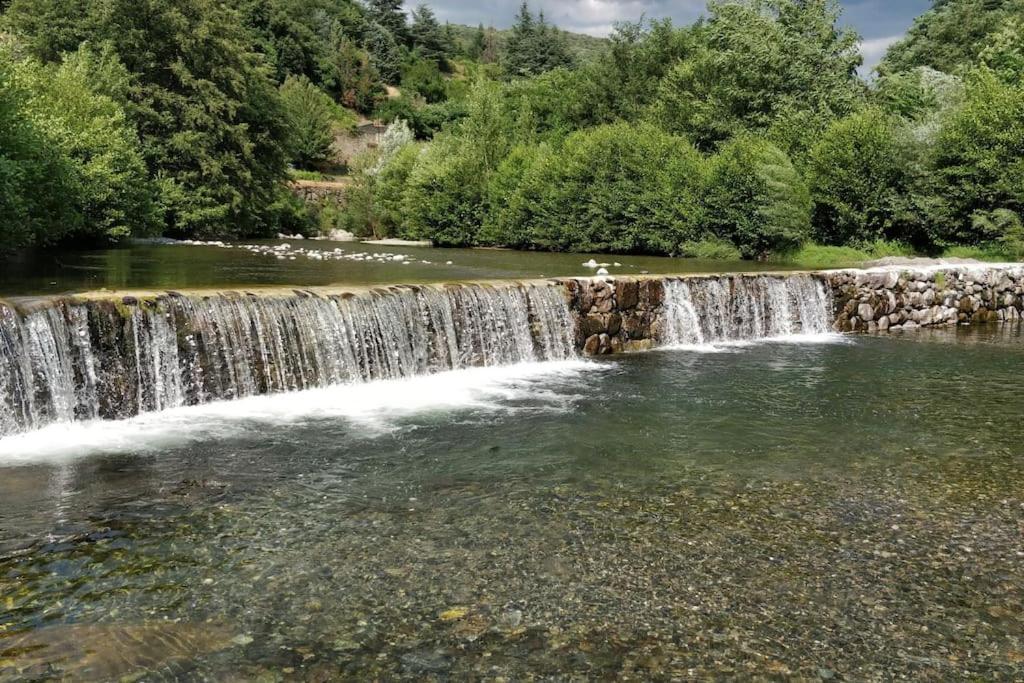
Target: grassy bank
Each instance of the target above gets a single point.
(819, 257)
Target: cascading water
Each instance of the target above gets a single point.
(718, 309)
(85, 360)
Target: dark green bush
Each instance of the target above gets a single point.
(619, 187)
(756, 199)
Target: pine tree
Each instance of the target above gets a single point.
(535, 47)
(427, 36)
(478, 44)
(385, 53)
(451, 43)
(310, 114)
(390, 15)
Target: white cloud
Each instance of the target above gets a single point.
(873, 50)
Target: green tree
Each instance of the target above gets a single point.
(48, 28)
(206, 109)
(390, 15)
(311, 116)
(622, 81)
(615, 188)
(979, 159)
(756, 199)
(36, 180)
(1003, 53)
(446, 195)
(385, 53)
(534, 46)
(295, 35)
(918, 93)
(779, 65)
(951, 35)
(478, 45)
(428, 38)
(373, 205)
(865, 182)
(423, 77)
(351, 78)
(75, 132)
(1008, 225)
(204, 106)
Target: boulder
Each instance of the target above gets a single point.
(627, 293)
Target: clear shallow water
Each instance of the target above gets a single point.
(149, 266)
(843, 506)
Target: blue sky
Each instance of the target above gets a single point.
(880, 22)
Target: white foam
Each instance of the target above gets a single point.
(373, 407)
(734, 346)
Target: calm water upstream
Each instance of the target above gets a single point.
(851, 508)
(151, 266)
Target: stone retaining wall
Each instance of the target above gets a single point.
(616, 316)
(884, 300)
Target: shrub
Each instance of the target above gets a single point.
(710, 248)
(612, 188)
(862, 177)
(444, 198)
(373, 203)
(425, 120)
(446, 193)
(979, 159)
(99, 187)
(391, 182)
(423, 77)
(755, 198)
(502, 224)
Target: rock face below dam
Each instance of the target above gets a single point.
(105, 355)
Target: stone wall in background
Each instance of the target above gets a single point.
(889, 300)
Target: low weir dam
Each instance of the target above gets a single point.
(105, 356)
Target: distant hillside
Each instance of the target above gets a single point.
(584, 47)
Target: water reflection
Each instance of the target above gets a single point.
(160, 267)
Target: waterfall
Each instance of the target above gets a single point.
(704, 310)
(74, 360)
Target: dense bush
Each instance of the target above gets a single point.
(755, 199)
(979, 159)
(35, 179)
(446, 195)
(444, 199)
(423, 77)
(78, 170)
(425, 120)
(864, 177)
(506, 198)
(618, 188)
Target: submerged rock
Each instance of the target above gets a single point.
(101, 652)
